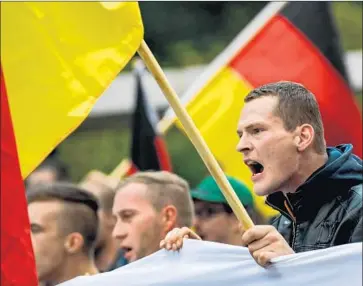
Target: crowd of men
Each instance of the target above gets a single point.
(104, 223)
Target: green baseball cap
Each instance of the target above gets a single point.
(209, 191)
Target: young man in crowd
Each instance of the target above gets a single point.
(108, 255)
(214, 219)
(147, 206)
(317, 190)
(64, 225)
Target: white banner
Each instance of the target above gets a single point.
(207, 263)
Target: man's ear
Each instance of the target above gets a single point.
(304, 137)
(169, 218)
(74, 242)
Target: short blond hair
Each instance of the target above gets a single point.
(165, 188)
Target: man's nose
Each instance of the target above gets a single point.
(243, 146)
(32, 239)
(196, 222)
(119, 231)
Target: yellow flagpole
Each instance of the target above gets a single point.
(194, 135)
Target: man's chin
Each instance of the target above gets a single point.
(132, 259)
(261, 190)
(136, 257)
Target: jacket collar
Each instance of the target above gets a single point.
(321, 187)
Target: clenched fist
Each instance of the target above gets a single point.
(264, 243)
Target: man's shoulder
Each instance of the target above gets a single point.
(357, 189)
(354, 198)
(351, 226)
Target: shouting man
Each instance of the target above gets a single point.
(317, 190)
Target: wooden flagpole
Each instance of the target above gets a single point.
(194, 135)
(246, 35)
(240, 41)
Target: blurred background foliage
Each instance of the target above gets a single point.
(182, 34)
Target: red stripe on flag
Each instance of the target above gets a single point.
(282, 52)
(162, 154)
(17, 259)
(132, 170)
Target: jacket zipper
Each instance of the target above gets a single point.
(287, 206)
(293, 236)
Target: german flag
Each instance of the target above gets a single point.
(57, 58)
(148, 148)
(296, 42)
(301, 44)
(15, 241)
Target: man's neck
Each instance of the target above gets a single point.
(107, 254)
(76, 266)
(308, 165)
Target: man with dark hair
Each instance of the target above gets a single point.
(317, 190)
(49, 171)
(64, 226)
(108, 255)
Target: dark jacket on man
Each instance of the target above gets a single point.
(326, 210)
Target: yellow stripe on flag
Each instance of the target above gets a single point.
(57, 59)
(215, 111)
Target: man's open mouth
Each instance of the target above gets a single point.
(255, 167)
(126, 249)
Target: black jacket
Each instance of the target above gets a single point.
(327, 209)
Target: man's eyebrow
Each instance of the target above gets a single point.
(120, 212)
(249, 126)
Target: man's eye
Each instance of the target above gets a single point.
(127, 216)
(35, 228)
(256, 130)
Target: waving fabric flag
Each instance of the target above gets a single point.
(16, 248)
(57, 58)
(297, 42)
(207, 263)
(148, 148)
(55, 69)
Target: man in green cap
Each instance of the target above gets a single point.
(215, 220)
